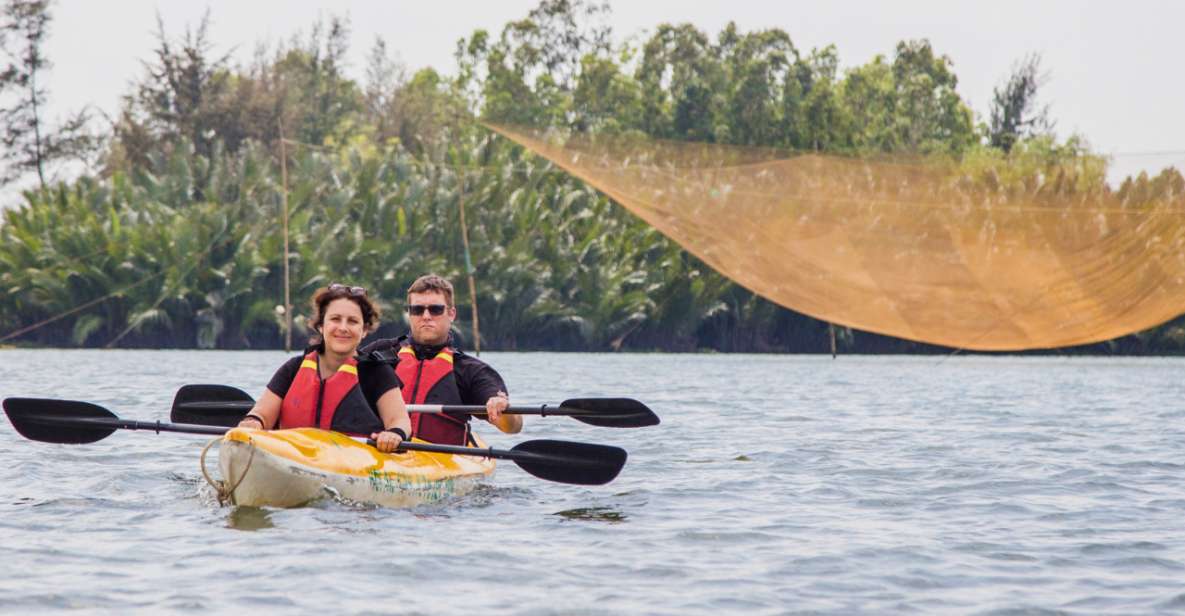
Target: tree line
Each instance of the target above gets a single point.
(174, 238)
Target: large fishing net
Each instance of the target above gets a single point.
(927, 251)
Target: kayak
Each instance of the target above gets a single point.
(289, 468)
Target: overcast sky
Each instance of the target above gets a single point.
(1115, 67)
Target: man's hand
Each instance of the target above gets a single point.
(495, 405)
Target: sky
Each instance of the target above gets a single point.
(1115, 74)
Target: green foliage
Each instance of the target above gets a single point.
(179, 242)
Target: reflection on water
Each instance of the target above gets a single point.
(249, 518)
(594, 514)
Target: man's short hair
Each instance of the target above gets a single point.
(431, 282)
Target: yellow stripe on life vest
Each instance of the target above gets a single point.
(348, 368)
(445, 355)
(308, 363)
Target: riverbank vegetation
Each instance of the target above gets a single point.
(175, 239)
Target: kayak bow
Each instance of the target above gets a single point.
(288, 468)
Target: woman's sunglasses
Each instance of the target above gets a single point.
(351, 291)
(417, 310)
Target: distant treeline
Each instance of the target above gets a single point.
(175, 238)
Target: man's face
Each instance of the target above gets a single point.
(426, 327)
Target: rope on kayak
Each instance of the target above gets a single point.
(219, 485)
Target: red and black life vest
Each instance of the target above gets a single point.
(432, 381)
(337, 403)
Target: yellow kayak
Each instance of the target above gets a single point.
(288, 468)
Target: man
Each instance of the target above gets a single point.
(433, 371)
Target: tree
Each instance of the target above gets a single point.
(821, 123)
(559, 34)
(682, 82)
(606, 99)
(178, 98)
(30, 144)
(760, 66)
(414, 111)
(868, 94)
(1014, 111)
(384, 75)
(929, 115)
(529, 74)
(325, 98)
(190, 98)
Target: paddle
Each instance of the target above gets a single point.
(74, 422)
(223, 405)
(210, 405)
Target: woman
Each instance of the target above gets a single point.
(328, 387)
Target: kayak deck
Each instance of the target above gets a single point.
(289, 468)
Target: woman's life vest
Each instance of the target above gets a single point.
(336, 403)
(432, 381)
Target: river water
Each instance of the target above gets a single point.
(775, 485)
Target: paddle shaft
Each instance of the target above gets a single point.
(542, 410)
(127, 424)
(480, 409)
(458, 450)
(158, 427)
(222, 405)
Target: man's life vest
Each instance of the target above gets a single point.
(337, 403)
(432, 381)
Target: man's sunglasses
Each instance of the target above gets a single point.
(417, 310)
(351, 291)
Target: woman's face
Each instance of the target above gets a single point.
(343, 326)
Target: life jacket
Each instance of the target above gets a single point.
(337, 403)
(432, 381)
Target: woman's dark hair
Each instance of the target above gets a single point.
(326, 295)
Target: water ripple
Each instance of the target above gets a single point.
(775, 485)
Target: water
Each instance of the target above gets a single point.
(775, 485)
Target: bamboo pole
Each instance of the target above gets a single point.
(469, 266)
(284, 202)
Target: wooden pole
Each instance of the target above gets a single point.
(284, 202)
(831, 331)
(469, 266)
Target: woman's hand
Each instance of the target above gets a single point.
(265, 414)
(251, 421)
(386, 441)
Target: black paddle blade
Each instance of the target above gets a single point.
(210, 405)
(49, 421)
(610, 412)
(567, 462)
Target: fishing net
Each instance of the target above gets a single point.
(934, 252)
